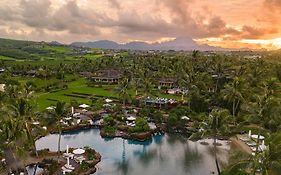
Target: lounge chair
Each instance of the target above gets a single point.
(65, 170)
(70, 167)
(79, 159)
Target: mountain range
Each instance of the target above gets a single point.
(176, 44)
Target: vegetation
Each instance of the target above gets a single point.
(226, 94)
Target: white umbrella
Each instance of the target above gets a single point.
(256, 137)
(50, 108)
(131, 118)
(67, 118)
(250, 133)
(108, 100)
(78, 151)
(36, 123)
(84, 106)
(67, 149)
(185, 118)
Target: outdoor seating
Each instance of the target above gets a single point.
(70, 167)
(70, 155)
(79, 159)
(65, 170)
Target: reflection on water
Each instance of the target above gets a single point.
(161, 155)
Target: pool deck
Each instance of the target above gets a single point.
(71, 162)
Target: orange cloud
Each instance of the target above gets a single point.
(147, 20)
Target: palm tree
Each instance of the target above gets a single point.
(216, 125)
(267, 162)
(218, 69)
(124, 90)
(233, 93)
(147, 87)
(195, 54)
(22, 111)
(12, 135)
(59, 113)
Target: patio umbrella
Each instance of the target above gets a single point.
(67, 118)
(36, 123)
(256, 137)
(185, 118)
(84, 106)
(131, 118)
(108, 100)
(78, 151)
(50, 108)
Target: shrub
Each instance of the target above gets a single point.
(109, 121)
(84, 166)
(91, 157)
(109, 129)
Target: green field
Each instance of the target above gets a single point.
(59, 49)
(79, 86)
(92, 56)
(106, 91)
(4, 58)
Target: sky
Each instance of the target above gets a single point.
(224, 23)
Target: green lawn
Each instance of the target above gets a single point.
(92, 56)
(79, 86)
(4, 58)
(45, 99)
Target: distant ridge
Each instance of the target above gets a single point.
(176, 44)
(56, 43)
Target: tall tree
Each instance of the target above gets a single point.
(266, 162)
(124, 94)
(216, 125)
(59, 113)
(233, 93)
(22, 110)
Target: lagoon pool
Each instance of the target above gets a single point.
(162, 155)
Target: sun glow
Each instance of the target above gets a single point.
(269, 44)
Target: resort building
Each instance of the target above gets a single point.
(109, 76)
(86, 74)
(166, 83)
(176, 91)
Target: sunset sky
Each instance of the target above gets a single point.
(224, 23)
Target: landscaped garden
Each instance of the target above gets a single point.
(138, 97)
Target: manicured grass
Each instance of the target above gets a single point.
(38, 81)
(4, 58)
(92, 56)
(79, 86)
(45, 99)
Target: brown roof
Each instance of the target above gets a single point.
(108, 73)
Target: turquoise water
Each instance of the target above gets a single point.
(162, 155)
